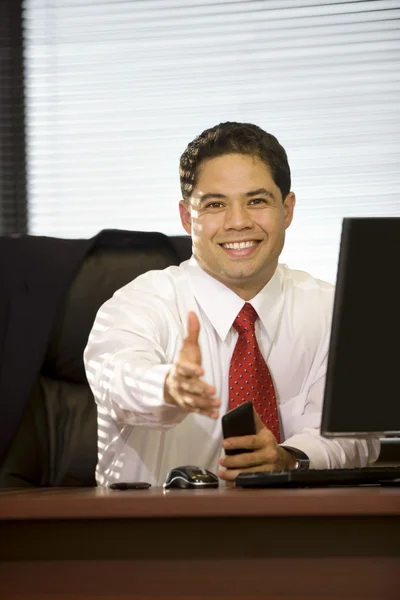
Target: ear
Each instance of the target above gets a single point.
(288, 208)
(186, 218)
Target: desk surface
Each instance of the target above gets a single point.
(66, 543)
(99, 503)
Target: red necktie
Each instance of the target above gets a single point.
(249, 376)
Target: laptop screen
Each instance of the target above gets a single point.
(362, 389)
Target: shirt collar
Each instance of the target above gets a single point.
(221, 305)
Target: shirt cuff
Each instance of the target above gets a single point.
(335, 453)
(313, 446)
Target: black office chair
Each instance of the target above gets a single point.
(56, 443)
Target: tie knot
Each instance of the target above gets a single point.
(245, 320)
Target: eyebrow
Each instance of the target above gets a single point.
(251, 194)
(260, 192)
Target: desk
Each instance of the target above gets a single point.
(323, 544)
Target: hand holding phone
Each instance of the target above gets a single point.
(237, 422)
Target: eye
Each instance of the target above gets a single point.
(214, 205)
(258, 201)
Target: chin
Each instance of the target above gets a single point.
(242, 276)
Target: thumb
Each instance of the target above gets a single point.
(257, 421)
(191, 346)
(193, 328)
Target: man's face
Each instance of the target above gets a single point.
(237, 221)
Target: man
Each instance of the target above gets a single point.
(167, 354)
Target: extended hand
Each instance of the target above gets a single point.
(264, 453)
(183, 385)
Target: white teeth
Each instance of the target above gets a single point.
(239, 245)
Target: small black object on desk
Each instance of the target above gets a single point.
(126, 485)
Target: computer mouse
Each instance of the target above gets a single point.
(190, 477)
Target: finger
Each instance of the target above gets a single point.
(231, 474)
(188, 369)
(262, 439)
(197, 387)
(227, 474)
(193, 328)
(185, 402)
(243, 442)
(190, 350)
(200, 403)
(250, 459)
(211, 414)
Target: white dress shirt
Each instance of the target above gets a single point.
(137, 335)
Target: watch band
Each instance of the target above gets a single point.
(302, 460)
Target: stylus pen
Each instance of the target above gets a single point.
(125, 485)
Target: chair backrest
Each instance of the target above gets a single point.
(56, 443)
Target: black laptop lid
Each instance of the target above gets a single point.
(362, 390)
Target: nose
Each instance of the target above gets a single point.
(237, 217)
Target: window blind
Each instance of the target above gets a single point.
(12, 132)
(116, 90)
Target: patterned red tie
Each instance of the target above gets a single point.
(249, 376)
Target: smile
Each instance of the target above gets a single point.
(241, 250)
(239, 245)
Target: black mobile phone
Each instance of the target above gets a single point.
(238, 421)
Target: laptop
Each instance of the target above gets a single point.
(362, 388)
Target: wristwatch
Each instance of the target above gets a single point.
(302, 460)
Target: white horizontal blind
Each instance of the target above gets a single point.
(116, 90)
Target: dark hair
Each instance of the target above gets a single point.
(234, 138)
